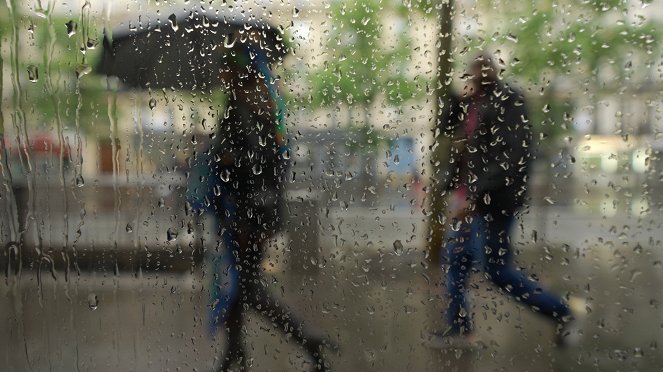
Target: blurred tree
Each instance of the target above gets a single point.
(441, 146)
(575, 41)
(47, 60)
(51, 56)
(366, 62)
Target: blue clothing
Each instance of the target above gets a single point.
(225, 281)
(485, 241)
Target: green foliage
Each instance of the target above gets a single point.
(54, 72)
(363, 64)
(574, 37)
(573, 40)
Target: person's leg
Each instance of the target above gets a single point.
(234, 352)
(232, 305)
(494, 244)
(460, 263)
(278, 314)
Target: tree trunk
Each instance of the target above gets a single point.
(440, 153)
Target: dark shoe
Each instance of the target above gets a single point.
(569, 331)
(315, 347)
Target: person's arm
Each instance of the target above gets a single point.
(447, 129)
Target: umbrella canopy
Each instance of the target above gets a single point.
(183, 51)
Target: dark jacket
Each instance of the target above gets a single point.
(248, 167)
(494, 162)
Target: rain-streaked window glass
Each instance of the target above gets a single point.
(331, 185)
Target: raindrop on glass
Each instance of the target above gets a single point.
(72, 27)
(171, 235)
(173, 22)
(92, 301)
(33, 73)
(398, 247)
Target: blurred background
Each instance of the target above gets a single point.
(105, 268)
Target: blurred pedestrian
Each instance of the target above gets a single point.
(489, 168)
(249, 157)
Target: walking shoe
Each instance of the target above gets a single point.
(569, 331)
(315, 346)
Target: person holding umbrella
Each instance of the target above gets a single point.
(251, 161)
(200, 50)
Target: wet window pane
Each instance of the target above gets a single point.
(330, 185)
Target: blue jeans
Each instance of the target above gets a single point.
(485, 241)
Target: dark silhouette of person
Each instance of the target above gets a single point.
(249, 161)
(488, 172)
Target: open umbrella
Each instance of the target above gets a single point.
(183, 51)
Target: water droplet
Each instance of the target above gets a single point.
(257, 169)
(80, 182)
(397, 159)
(635, 274)
(229, 41)
(72, 27)
(398, 247)
(92, 43)
(486, 198)
(33, 73)
(129, 228)
(225, 175)
(637, 249)
(171, 235)
(173, 22)
(153, 103)
(92, 301)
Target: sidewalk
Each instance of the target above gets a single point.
(377, 309)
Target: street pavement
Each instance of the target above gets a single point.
(377, 303)
(367, 283)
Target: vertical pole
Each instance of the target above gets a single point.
(440, 148)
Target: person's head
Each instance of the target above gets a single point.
(242, 65)
(483, 71)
